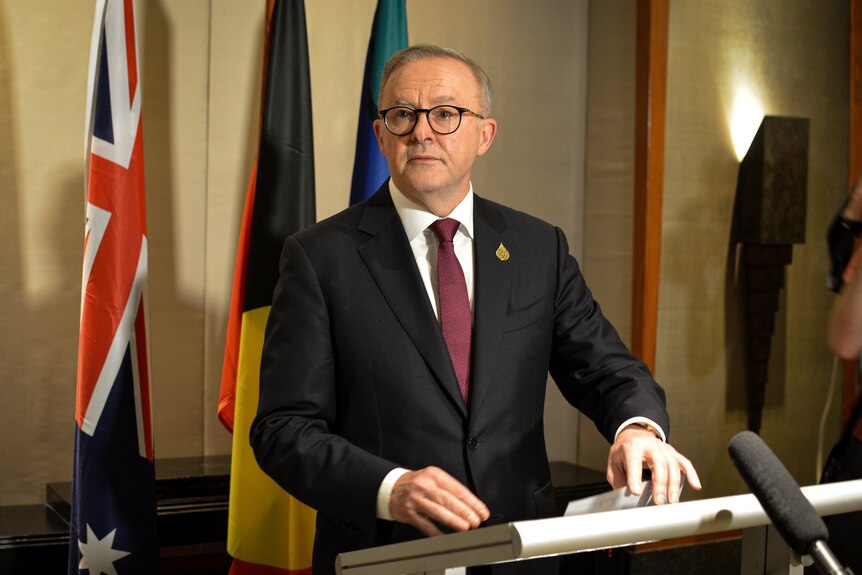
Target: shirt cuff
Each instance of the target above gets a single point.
(645, 421)
(384, 494)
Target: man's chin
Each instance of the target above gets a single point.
(415, 183)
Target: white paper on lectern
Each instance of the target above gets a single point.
(621, 498)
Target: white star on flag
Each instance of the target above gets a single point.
(98, 555)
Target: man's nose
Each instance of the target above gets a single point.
(422, 130)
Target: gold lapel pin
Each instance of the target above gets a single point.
(502, 253)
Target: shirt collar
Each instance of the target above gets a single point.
(416, 218)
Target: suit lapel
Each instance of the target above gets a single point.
(491, 294)
(390, 260)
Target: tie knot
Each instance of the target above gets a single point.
(445, 229)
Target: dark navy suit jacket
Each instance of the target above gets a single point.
(356, 379)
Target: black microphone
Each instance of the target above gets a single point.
(778, 493)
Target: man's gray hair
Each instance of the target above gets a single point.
(422, 51)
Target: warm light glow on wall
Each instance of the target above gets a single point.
(744, 121)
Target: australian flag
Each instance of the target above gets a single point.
(113, 520)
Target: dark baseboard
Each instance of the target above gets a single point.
(192, 502)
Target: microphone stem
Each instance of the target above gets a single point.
(825, 561)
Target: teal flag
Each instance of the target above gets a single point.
(388, 35)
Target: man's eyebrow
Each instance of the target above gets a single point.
(443, 99)
(437, 100)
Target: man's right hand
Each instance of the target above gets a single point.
(430, 498)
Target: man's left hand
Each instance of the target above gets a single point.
(636, 448)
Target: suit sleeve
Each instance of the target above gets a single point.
(292, 435)
(590, 363)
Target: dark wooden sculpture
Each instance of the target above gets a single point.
(771, 206)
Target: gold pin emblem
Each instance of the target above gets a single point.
(502, 253)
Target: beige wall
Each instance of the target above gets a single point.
(201, 75)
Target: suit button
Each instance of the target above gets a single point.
(472, 444)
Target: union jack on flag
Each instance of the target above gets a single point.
(113, 519)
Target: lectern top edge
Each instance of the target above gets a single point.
(500, 537)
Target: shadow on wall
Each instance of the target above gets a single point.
(10, 234)
(39, 341)
(176, 322)
(11, 284)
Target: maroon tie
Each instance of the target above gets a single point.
(455, 315)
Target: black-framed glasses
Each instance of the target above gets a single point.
(401, 120)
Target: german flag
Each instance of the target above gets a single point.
(269, 532)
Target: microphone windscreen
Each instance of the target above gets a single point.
(792, 514)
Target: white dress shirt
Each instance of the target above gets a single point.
(416, 219)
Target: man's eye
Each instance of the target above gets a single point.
(403, 114)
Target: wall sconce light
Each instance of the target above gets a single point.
(771, 201)
(746, 116)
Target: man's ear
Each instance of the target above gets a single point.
(378, 131)
(486, 135)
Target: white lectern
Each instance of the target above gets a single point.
(522, 540)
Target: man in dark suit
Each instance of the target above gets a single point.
(404, 369)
